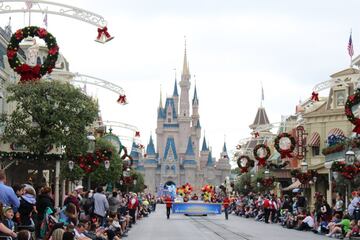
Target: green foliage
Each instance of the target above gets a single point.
(243, 185)
(101, 176)
(139, 186)
(235, 171)
(49, 113)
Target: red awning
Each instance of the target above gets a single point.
(336, 132)
(314, 140)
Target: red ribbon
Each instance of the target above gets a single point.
(286, 153)
(102, 31)
(357, 126)
(262, 162)
(122, 99)
(256, 134)
(137, 134)
(314, 96)
(29, 73)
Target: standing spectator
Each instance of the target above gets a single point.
(301, 202)
(101, 205)
(354, 204)
(43, 202)
(73, 198)
(114, 203)
(132, 206)
(27, 207)
(19, 190)
(226, 203)
(267, 210)
(7, 194)
(168, 202)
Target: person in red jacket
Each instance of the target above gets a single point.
(132, 206)
(168, 202)
(267, 209)
(226, 204)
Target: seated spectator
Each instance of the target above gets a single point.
(57, 234)
(24, 235)
(307, 223)
(354, 230)
(343, 227)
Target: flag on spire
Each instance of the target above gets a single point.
(262, 93)
(28, 4)
(350, 46)
(45, 20)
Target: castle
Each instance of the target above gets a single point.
(178, 158)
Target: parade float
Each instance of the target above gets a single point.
(189, 203)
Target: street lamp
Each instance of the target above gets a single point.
(91, 144)
(267, 174)
(304, 167)
(350, 156)
(107, 164)
(135, 181)
(71, 165)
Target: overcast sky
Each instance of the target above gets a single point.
(233, 46)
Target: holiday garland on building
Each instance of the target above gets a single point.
(285, 153)
(261, 160)
(91, 161)
(29, 73)
(304, 177)
(352, 101)
(348, 171)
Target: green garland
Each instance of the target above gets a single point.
(28, 156)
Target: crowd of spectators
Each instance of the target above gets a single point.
(293, 212)
(85, 215)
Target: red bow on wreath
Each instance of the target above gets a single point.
(286, 153)
(261, 162)
(314, 96)
(357, 126)
(28, 73)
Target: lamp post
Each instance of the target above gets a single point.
(91, 148)
(107, 165)
(350, 156)
(71, 165)
(267, 174)
(304, 166)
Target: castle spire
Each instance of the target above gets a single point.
(186, 71)
(189, 149)
(195, 100)
(175, 93)
(160, 104)
(150, 149)
(204, 146)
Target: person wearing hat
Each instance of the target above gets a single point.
(80, 191)
(7, 226)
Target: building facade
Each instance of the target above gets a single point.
(178, 157)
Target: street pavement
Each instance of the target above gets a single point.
(180, 227)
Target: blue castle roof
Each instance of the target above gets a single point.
(195, 100)
(204, 146)
(198, 124)
(224, 148)
(134, 151)
(189, 149)
(175, 93)
(161, 113)
(170, 145)
(170, 102)
(210, 160)
(150, 149)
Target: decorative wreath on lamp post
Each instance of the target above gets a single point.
(285, 152)
(244, 162)
(261, 160)
(91, 161)
(350, 103)
(29, 73)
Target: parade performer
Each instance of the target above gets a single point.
(226, 203)
(168, 202)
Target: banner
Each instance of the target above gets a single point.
(196, 208)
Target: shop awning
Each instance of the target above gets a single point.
(336, 132)
(314, 140)
(292, 186)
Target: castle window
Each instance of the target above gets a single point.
(169, 120)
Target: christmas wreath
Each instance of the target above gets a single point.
(91, 161)
(267, 182)
(244, 162)
(352, 101)
(261, 160)
(29, 73)
(285, 152)
(304, 177)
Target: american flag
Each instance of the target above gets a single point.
(45, 20)
(350, 47)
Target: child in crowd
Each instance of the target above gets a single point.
(8, 218)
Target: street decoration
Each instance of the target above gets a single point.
(285, 152)
(314, 96)
(184, 190)
(91, 161)
(350, 103)
(261, 158)
(306, 177)
(267, 182)
(244, 163)
(103, 35)
(32, 73)
(208, 192)
(348, 171)
(122, 99)
(300, 143)
(28, 156)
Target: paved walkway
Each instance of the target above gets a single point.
(180, 227)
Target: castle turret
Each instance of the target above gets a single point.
(176, 96)
(189, 162)
(135, 154)
(204, 154)
(150, 165)
(195, 126)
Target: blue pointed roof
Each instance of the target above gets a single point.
(175, 93)
(161, 113)
(204, 146)
(134, 151)
(170, 102)
(170, 144)
(224, 148)
(195, 100)
(189, 149)
(150, 149)
(198, 124)
(210, 160)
